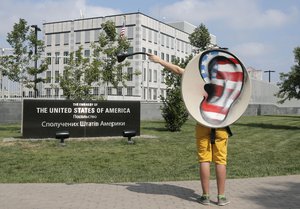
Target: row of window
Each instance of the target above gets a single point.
(89, 36)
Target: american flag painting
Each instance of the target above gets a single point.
(223, 75)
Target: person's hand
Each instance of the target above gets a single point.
(154, 58)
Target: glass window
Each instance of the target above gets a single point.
(49, 40)
(129, 91)
(119, 91)
(49, 58)
(87, 37)
(155, 76)
(48, 76)
(56, 58)
(66, 38)
(130, 32)
(56, 76)
(66, 57)
(130, 73)
(78, 37)
(57, 39)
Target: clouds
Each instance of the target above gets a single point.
(236, 14)
(37, 12)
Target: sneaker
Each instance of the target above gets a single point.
(204, 199)
(222, 200)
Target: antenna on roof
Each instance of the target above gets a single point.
(81, 14)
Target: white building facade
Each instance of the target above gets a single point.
(145, 34)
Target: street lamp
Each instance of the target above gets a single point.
(36, 29)
(269, 71)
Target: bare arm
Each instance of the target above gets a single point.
(171, 67)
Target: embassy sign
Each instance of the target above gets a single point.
(43, 118)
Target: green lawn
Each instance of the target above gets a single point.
(261, 146)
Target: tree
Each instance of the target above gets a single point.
(102, 68)
(78, 76)
(173, 109)
(200, 38)
(289, 85)
(110, 45)
(19, 66)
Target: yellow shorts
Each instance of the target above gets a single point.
(208, 152)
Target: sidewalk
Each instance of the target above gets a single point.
(269, 192)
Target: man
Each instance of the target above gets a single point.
(207, 152)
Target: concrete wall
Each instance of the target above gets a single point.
(10, 111)
(263, 102)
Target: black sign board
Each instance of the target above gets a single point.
(43, 118)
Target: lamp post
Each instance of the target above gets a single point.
(36, 29)
(269, 71)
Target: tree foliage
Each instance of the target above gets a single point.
(173, 110)
(101, 68)
(289, 85)
(19, 66)
(200, 38)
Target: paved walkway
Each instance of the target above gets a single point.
(270, 192)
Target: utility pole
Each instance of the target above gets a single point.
(269, 71)
(36, 29)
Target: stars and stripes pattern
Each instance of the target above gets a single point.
(225, 75)
(122, 32)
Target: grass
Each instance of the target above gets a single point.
(261, 146)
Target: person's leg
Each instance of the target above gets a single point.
(204, 177)
(221, 178)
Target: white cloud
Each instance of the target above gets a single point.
(37, 12)
(239, 14)
(252, 49)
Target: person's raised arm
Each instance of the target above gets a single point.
(171, 67)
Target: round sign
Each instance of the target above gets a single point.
(216, 88)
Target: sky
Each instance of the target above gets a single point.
(262, 33)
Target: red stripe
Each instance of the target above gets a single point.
(226, 61)
(231, 76)
(219, 90)
(213, 108)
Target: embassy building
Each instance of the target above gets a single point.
(144, 33)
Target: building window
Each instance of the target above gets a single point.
(129, 91)
(155, 37)
(56, 76)
(129, 51)
(78, 37)
(162, 55)
(48, 92)
(155, 76)
(49, 58)
(57, 39)
(87, 37)
(56, 92)
(48, 76)
(130, 74)
(162, 39)
(66, 39)
(162, 77)
(144, 56)
(96, 91)
(150, 75)
(109, 90)
(145, 74)
(87, 53)
(56, 58)
(130, 32)
(154, 94)
(119, 91)
(150, 36)
(144, 34)
(49, 40)
(96, 35)
(66, 57)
